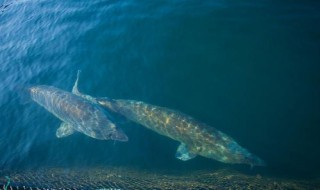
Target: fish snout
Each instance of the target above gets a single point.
(253, 160)
(33, 90)
(119, 135)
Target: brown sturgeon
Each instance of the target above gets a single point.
(196, 138)
(77, 114)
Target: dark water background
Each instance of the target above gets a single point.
(249, 68)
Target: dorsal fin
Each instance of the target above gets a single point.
(75, 90)
(75, 86)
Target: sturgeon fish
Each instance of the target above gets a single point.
(196, 138)
(76, 113)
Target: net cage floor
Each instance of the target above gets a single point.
(128, 178)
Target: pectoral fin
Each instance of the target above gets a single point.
(64, 130)
(183, 153)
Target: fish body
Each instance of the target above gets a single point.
(196, 138)
(77, 114)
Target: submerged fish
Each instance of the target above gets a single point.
(196, 137)
(77, 114)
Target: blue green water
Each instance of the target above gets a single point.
(250, 69)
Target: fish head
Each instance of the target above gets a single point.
(107, 130)
(37, 93)
(33, 90)
(118, 135)
(240, 155)
(225, 149)
(254, 160)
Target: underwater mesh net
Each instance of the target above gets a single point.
(124, 178)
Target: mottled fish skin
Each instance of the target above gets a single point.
(200, 138)
(78, 112)
(196, 137)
